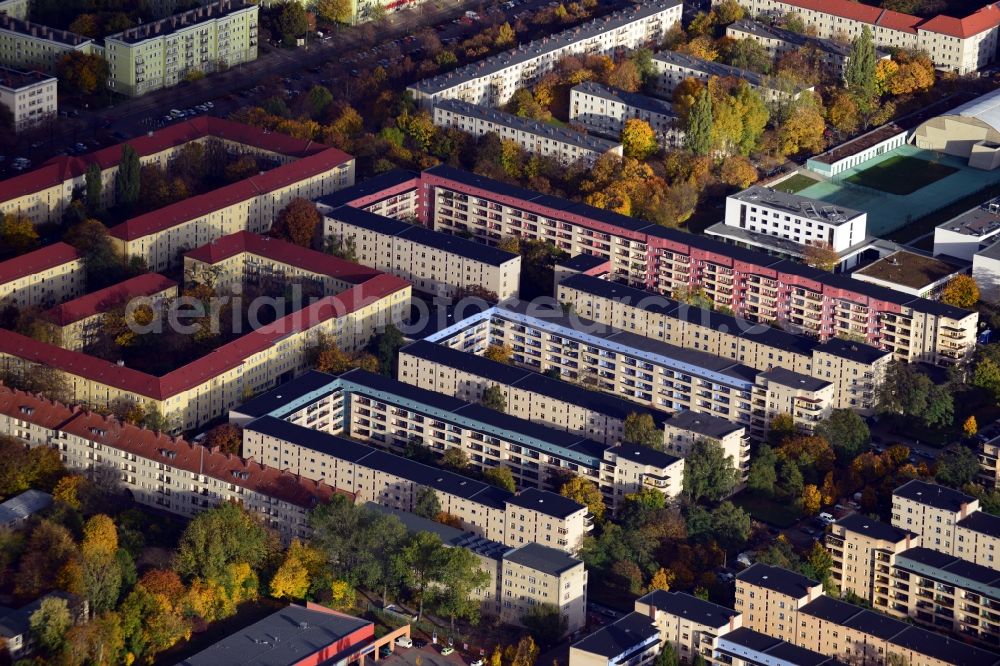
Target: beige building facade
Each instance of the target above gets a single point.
(26, 45)
(42, 278)
(435, 263)
(31, 97)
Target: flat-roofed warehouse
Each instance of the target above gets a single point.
(971, 131)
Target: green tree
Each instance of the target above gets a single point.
(545, 622)
(909, 392)
(667, 655)
(218, 537)
(459, 576)
(49, 624)
(708, 472)
(94, 187)
(501, 477)
(860, 70)
(423, 559)
(640, 428)
(494, 398)
(387, 350)
(698, 138)
(763, 473)
(987, 376)
(818, 565)
(455, 458)
(638, 139)
(127, 186)
(335, 11)
(790, 480)
(846, 431)
(957, 466)
(427, 504)
(291, 22)
(730, 525)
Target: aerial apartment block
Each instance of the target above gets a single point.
(78, 321)
(531, 395)
(491, 82)
(604, 110)
(27, 45)
(286, 427)
(163, 472)
(537, 137)
(198, 41)
(948, 521)
(890, 569)
(782, 603)
(42, 277)
(754, 285)
(646, 371)
(854, 368)
(520, 578)
(206, 387)
(672, 67)
(31, 97)
(785, 224)
(833, 55)
(305, 168)
(393, 415)
(960, 45)
(433, 262)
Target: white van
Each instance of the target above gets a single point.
(404, 642)
(827, 518)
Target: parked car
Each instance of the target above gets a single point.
(446, 650)
(404, 642)
(827, 518)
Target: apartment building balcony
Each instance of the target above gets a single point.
(656, 481)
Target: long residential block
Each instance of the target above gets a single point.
(791, 606)
(890, 569)
(753, 285)
(295, 440)
(164, 472)
(672, 68)
(597, 415)
(43, 277)
(302, 168)
(605, 110)
(534, 136)
(393, 415)
(433, 262)
(961, 45)
(648, 372)
(199, 41)
(855, 369)
(27, 45)
(207, 387)
(492, 81)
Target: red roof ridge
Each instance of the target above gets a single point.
(982, 19)
(106, 299)
(37, 261)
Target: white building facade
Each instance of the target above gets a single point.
(30, 96)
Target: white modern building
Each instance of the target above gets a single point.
(786, 223)
(673, 67)
(30, 96)
(534, 136)
(970, 131)
(859, 150)
(833, 56)
(604, 110)
(494, 80)
(963, 236)
(961, 45)
(986, 273)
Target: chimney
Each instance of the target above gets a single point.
(963, 512)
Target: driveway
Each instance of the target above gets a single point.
(428, 656)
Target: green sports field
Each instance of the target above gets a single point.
(901, 174)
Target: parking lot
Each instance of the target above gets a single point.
(429, 655)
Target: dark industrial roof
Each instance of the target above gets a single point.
(369, 186)
(542, 558)
(778, 579)
(775, 649)
(794, 379)
(545, 502)
(278, 398)
(982, 522)
(876, 529)
(631, 633)
(289, 636)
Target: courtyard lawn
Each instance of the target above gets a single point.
(795, 183)
(901, 174)
(767, 510)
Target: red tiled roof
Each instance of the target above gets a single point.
(211, 365)
(109, 297)
(34, 408)
(60, 169)
(283, 251)
(37, 261)
(195, 207)
(978, 21)
(190, 457)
